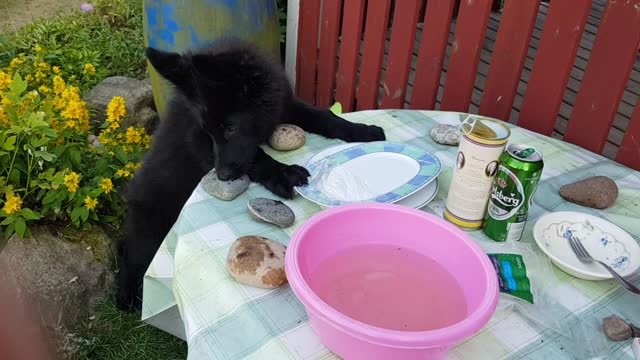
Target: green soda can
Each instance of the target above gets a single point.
(512, 192)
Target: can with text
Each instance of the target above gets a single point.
(512, 192)
(481, 144)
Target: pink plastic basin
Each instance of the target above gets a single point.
(343, 227)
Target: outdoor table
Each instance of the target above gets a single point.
(222, 319)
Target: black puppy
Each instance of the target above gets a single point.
(227, 101)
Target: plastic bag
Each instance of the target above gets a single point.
(546, 312)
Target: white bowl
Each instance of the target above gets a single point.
(602, 239)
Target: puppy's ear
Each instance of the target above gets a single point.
(172, 66)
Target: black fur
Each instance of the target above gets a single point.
(227, 101)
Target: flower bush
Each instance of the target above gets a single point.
(52, 165)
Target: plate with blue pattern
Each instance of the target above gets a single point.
(381, 172)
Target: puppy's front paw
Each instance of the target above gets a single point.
(289, 176)
(366, 133)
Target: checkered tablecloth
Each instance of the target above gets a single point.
(226, 320)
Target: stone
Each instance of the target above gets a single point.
(137, 94)
(445, 134)
(62, 274)
(599, 192)
(224, 190)
(271, 211)
(257, 261)
(287, 137)
(617, 329)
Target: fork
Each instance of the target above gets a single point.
(584, 256)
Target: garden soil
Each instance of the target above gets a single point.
(17, 13)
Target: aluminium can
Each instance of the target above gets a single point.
(512, 193)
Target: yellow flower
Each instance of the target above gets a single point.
(58, 84)
(111, 153)
(123, 173)
(29, 77)
(90, 202)
(56, 70)
(113, 126)
(12, 205)
(5, 80)
(133, 136)
(71, 181)
(39, 49)
(16, 62)
(89, 69)
(40, 75)
(106, 185)
(6, 102)
(116, 109)
(44, 90)
(69, 124)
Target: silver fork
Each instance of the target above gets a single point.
(584, 256)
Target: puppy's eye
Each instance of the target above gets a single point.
(230, 130)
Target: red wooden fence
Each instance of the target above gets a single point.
(361, 83)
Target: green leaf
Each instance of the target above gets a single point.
(49, 132)
(49, 198)
(10, 230)
(46, 156)
(18, 86)
(84, 213)
(14, 177)
(75, 155)
(8, 221)
(9, 143)
(30, 214)
(21, 227)
(75, 214)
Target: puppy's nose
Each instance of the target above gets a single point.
(225, 174)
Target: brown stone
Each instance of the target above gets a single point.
(616, 329)
(599, 192)
(257, 261)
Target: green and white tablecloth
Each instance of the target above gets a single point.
(223, 319)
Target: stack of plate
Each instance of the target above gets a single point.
(381, 172)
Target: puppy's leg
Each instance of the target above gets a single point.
(275, 176)
(324, 122)
(144, 231)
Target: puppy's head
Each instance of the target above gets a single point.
(239, 96)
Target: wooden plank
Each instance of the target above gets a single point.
(403, 35)
(629, 153)
(430, 57)
(349, 53)
(291, 56)
(507, 61)
(554, 60)
(307, 50)
(331, 10)
(375, 34)
(465, 54)
(612, 58)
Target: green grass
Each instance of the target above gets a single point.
(114, 335)
(110, 37)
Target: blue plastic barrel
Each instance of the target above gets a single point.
(179, 25)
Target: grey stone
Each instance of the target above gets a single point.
(257, 261)
(224, 190)
(62, 278)
(287, 137)
(137, 94)
(271, 211)
(598, 192)
(445, 134)
(616, 329)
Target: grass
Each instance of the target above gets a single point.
(110, 37)
(114, 335)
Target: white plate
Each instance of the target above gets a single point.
(602, 239)
(417, 200)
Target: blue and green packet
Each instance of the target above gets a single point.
(512, 275)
